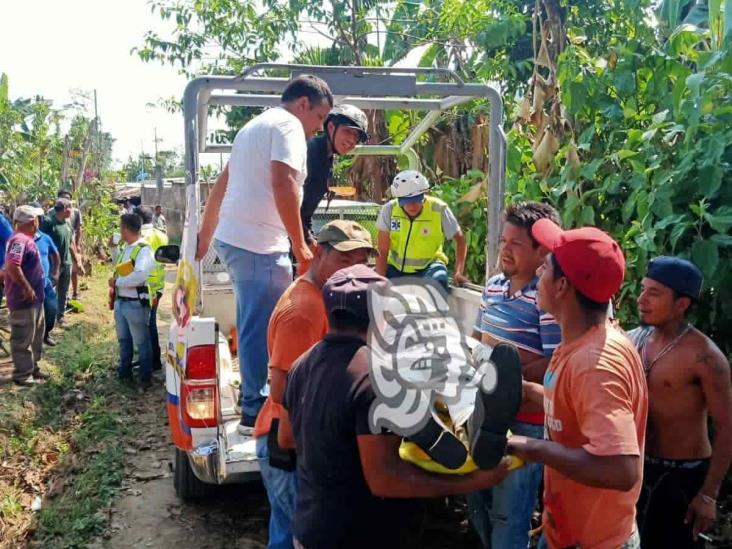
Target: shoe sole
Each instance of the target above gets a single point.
(440, 444)
(495, 411)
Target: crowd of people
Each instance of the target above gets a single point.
(41, 262)
(613, 424)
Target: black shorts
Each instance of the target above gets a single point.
(669, 485)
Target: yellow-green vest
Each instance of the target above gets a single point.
(143, 292)
(155, 238)
(415, 243)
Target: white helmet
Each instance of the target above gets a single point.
(409, 183)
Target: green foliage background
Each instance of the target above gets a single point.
(643, 87)
(33, 150)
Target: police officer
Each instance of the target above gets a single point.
(345, 127)
(412, 228)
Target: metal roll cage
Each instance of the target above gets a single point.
(365, 87)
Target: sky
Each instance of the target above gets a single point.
(50, 47)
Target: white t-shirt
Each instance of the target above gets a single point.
(248, 218)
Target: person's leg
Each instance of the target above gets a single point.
(393, 272)
(39, 329)
(479, 511)
(21, 340)
(259, 281)
(50, 308)
(281, 489)
(75, 281)
(124, 337)
(437, 271)
(138, 320)
(154, 337)
(64, 279)
(667, 491)
(514, 499)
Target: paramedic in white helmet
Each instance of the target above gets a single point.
(412, 229)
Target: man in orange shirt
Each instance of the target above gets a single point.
(298, 322)
(595, 398)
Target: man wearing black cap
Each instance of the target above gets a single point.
(344, 471)
(688, 380)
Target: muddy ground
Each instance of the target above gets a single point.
(149, 514)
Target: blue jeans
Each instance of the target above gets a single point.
(131, 321)
(436, 271)
(259, 281)
(502, 515)
(50, 307)
(632, 543)
(281, 489)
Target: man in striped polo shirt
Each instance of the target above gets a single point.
(509, 313)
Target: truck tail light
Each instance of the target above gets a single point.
(201, 362)
(199, 391)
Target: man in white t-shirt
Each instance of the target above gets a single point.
(252, 211)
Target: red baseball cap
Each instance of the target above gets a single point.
(591, 260)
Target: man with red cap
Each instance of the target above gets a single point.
(595, 398)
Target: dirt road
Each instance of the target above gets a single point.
(148, 513)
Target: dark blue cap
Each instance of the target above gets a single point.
(678, 274)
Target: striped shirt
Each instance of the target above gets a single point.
(516, 318)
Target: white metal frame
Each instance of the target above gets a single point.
(365, 87)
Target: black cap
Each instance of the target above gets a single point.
(680, 275)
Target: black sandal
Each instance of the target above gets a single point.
(495, 411)
(440, 444)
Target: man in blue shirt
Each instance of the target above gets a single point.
(509, 313)
(51, 262)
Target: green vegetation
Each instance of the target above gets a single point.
(37, 159)
(618, 113)
(61, 440)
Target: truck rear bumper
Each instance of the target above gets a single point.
(237, 463)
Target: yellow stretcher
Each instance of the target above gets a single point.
(412, 453)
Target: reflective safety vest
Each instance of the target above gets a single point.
(415, 243)
(143, 292)
(155, 238)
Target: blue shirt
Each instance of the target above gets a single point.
(45, 247)
(516, 318)
(6, 231)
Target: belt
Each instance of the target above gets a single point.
(123, 298)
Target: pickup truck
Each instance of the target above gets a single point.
(201, 373)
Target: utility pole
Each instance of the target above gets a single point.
(158, 169)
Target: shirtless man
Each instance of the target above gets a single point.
(688, 379)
